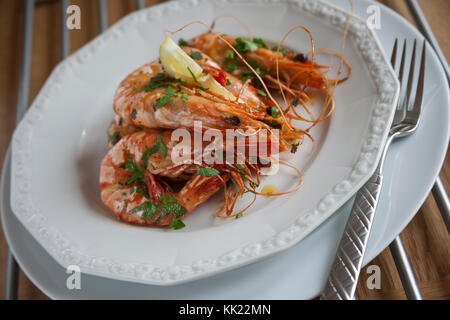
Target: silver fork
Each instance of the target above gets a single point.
(343, 278)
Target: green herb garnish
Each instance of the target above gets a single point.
(253, 63)
(282, 51)
(142, 191)
(184, 97)
(274, 112)
(159, 146)
(196, 55)
(149, 209)
(133, 114)
(182, 42)
(176, 224)
(165, 99)
(262, 93)
(230, 65)
(229, 54)
(274, 124)
(192, 74)
(169, 205)
(114, 138)
(248, 74)
(244, 45)
(259, 42)
(207, 172)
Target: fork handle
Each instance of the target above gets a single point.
(344, 274)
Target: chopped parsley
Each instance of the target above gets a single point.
(262, 93)
(253, 63)
(230, 183)
(176, 224)
(294, 102)
(184, 97)
(283, 51)
(170, 205)
(160, 80)
(229, 54)
(274, 111)
(137, 172)
(192, 74)
(196, 55)
(239, 216)
(228, 82)
(157, 81)
(182, 42)
(254, 186)
(114, 138)
(159, 146)
(230, 65)
(143, 192)
(259, 42)
(274, 124)
(245, 45)
(133, 114)
(149, 209)
(207, 172)
(248, 74)
(136, 89)
(165, 98)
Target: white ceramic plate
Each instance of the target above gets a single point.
(301, 271)
(58, 146)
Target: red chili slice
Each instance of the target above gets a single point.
(219, 75)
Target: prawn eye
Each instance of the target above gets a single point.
(301, 58)
(233, 121)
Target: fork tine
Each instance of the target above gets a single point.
(410, 79)
(402, 63)
(394, 53)
(400, 113)
(420, 83)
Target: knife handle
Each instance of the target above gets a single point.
(344, 274)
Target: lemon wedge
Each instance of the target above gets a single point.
(208, 82)
(179, 65)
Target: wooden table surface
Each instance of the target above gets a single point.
(426, 240)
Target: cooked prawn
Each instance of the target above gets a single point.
(139, 107)
(293, 67)
(183, 105)
(119, 128)
(132, 188)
